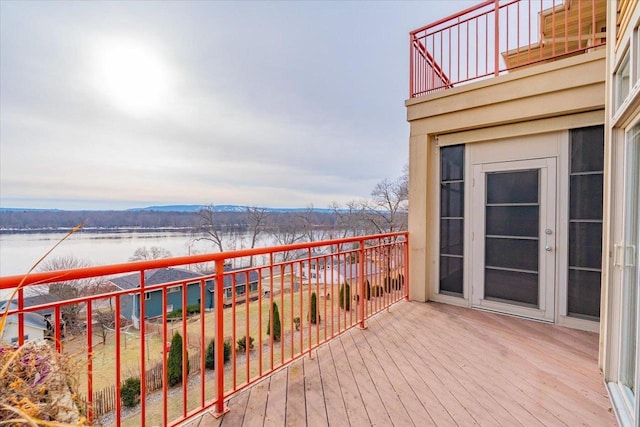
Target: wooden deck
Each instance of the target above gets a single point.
(434, 364)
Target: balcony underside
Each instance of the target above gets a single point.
(435, 364)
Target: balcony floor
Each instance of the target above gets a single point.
(435, 364)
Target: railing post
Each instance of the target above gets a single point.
(362, 282)
(411, 71)
(406, 266)
(496, 53)
(221, 409)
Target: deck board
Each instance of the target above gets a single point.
(435, 364)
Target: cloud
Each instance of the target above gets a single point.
(282, 104)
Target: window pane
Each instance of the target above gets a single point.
(451, 236)
(512, 253)
(451, 274)
(452, 163)
(584, 293)
(512, 286)
(587, 149)
(585, 245)
(452, 199)
(512, 221)
(512, 187)
(585, 197)
(622, 81)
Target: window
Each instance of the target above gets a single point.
(240, 289)
(622, 81)
(227, 292)
(585, 222)
(451, 219)
(14, 340)
(254, 286)
(173, 289)
(169, 308)
(147, 296)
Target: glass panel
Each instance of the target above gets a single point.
(512, 253)
(452, 199)
(451, 236)
(452, 163)
(587, 149)
(630, 315)
(512, 187)
(585, 245)
(623, 82)
(451, 274)
(521, 221)
(585, 197)
(512, 286)
(584, 293)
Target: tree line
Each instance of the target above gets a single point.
(385, 210)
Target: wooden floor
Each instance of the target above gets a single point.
(433, 364)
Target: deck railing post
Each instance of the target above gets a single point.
(361, 283)
(221, 409)
(406, 267)
(496, 53)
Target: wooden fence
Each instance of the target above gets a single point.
(104, 400)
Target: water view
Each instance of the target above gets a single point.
(18, 252)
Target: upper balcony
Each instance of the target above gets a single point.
(500, 36)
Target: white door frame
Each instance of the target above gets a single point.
(547, 243)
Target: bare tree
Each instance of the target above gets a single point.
(210, 227)
(387, 210)
(287, 233)
(154, 252)
(256, 222)
(349, 219)
(70, 289)
(106, 322)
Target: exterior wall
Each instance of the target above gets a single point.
(547, 99)
(10, 332)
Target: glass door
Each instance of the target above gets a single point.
(514, 237)
(628, 378)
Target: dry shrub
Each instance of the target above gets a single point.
(37, 386)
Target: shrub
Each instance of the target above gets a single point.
(387, 284)
(130, 392)
(242, 343)
(296, 322)
(314, 316)
(367, 289)
(174, 362)
(191, 310)
(400, 281)
(276, 323)
(210, 356)
(377, 291)
(345, 296)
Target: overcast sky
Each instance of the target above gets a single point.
(114, 105)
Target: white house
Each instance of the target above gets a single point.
(35, 326)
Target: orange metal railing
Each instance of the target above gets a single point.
(232, 304)
(498, 36)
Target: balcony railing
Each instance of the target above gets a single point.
(127, 332)
(498, 36)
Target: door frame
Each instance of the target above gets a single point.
(548, 260)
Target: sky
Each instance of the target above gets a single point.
(122, 104)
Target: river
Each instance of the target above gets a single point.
(19, 251)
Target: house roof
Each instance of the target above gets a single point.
(31, 319)
(154, 277)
